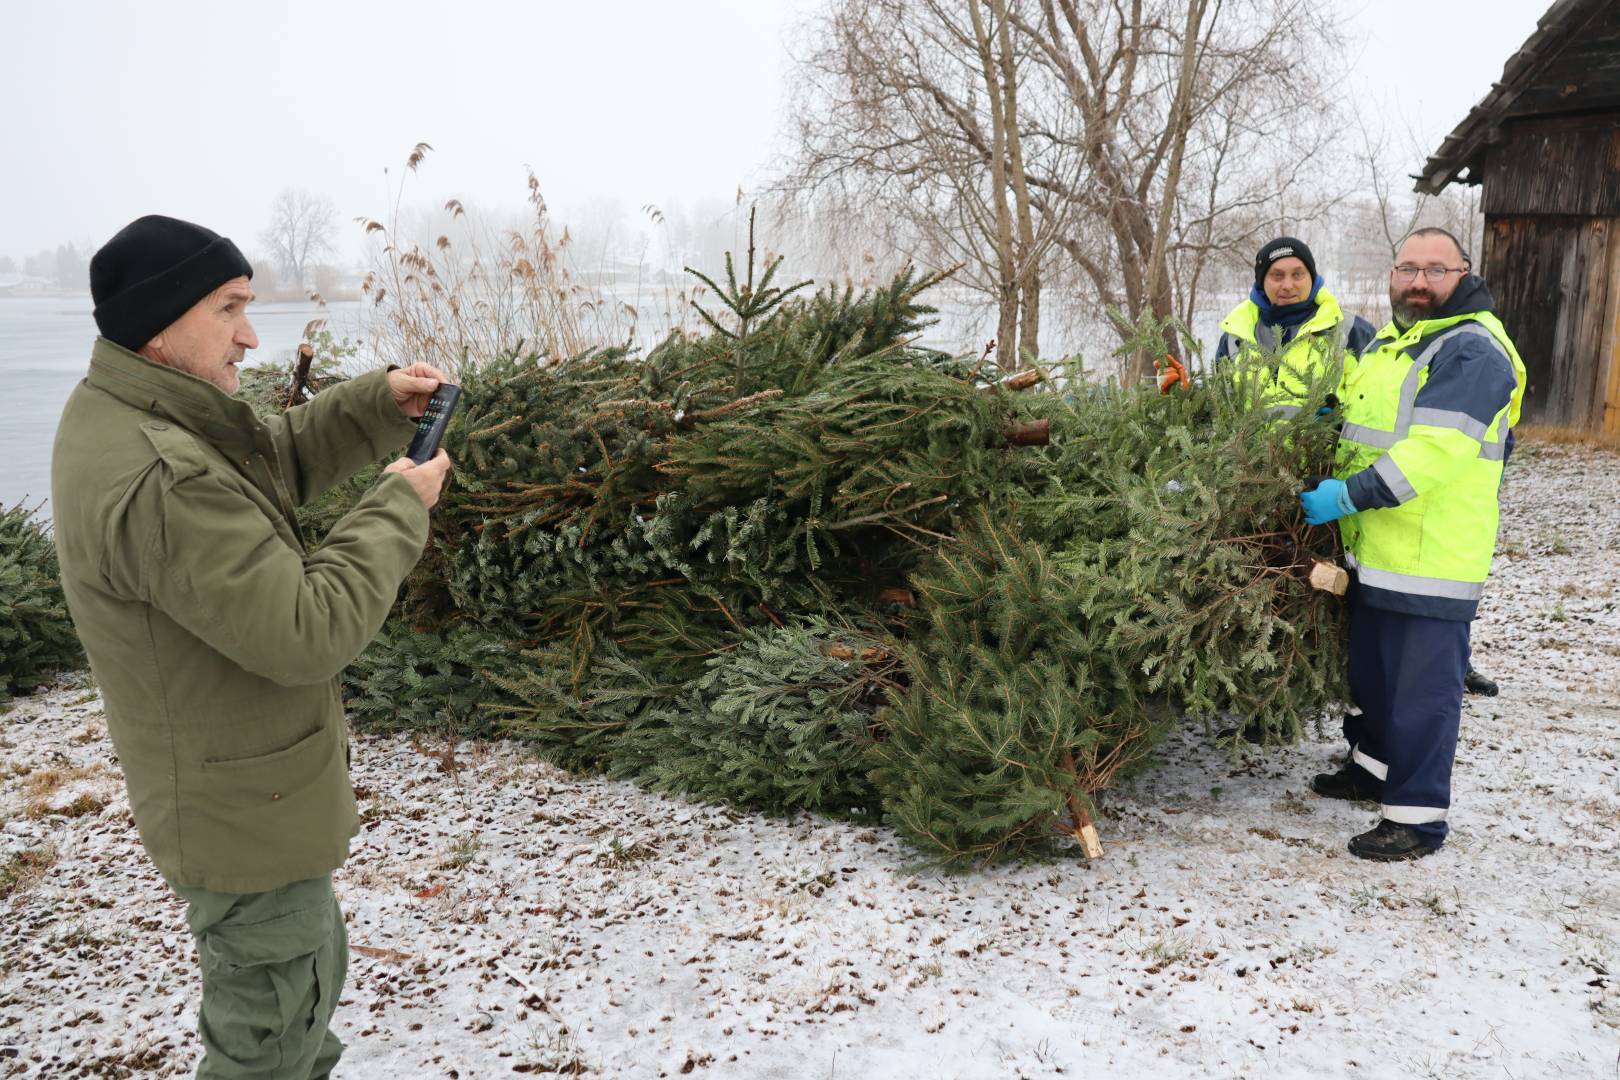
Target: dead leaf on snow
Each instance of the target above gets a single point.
(393, 956)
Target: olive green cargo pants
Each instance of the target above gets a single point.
(273, 966)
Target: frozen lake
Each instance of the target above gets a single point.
(45, 350)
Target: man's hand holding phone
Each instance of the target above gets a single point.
(427, 478)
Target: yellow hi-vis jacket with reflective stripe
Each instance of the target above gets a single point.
(1324, 341)
(1427, 413)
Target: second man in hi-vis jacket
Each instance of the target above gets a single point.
(1292, 319)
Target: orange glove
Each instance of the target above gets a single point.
(1171, 372)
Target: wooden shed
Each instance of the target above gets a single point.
(1545, 145)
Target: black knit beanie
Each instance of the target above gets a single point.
(1281, 248)
(153, 271)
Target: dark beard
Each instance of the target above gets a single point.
(1406, 314)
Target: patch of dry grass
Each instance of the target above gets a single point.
(83, 805)
(89, 734)
(25, 869)
(1568, 436)
(43, 783)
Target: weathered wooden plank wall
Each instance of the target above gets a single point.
(1546, 145)
(1564, 165)
(1552, 278)
(1609, 363)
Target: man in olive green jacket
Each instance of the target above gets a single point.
(216, 637)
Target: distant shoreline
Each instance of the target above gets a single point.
(347, 296)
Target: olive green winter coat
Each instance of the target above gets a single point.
(216, 638)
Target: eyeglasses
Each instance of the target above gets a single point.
(1434, 274)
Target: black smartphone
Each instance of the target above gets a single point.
(430, 429)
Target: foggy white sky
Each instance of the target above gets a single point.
(109, 110)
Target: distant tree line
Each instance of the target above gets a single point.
(67, 266)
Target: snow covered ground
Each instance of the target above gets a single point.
(507, 918)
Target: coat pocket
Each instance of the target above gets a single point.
(252, 823)
(1392, 537)
(279, 773)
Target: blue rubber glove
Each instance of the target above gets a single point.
(1328, 501)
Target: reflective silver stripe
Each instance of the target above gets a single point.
(1413, 815)
(1448, 418)
(1412, 583)
(1371, 764)
(1406, 411)
(1497, 450)
(1399, 485)
(1232, 342)
(1265, 336)
(1283, 410)
(1369, 436)
(1409, 387)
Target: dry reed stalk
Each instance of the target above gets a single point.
(476, 291)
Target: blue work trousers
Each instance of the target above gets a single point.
(1406, 675)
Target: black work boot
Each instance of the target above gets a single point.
(1350, 782)
(1475, 683)
(1389, 841)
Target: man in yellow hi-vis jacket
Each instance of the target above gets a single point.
(1428, 407)
(1291, 317)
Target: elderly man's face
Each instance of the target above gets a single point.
(1288, 282)
(212, 338)
(1427, 270)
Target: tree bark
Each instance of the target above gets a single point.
(1006, 265)
(1158, 290)
(1029, 257)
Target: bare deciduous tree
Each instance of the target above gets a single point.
(917, 120)
(1112, 149)
(302, 225)
(1371, 226)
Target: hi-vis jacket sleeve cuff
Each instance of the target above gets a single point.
(1369, 491)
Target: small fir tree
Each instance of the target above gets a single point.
(37, 639)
